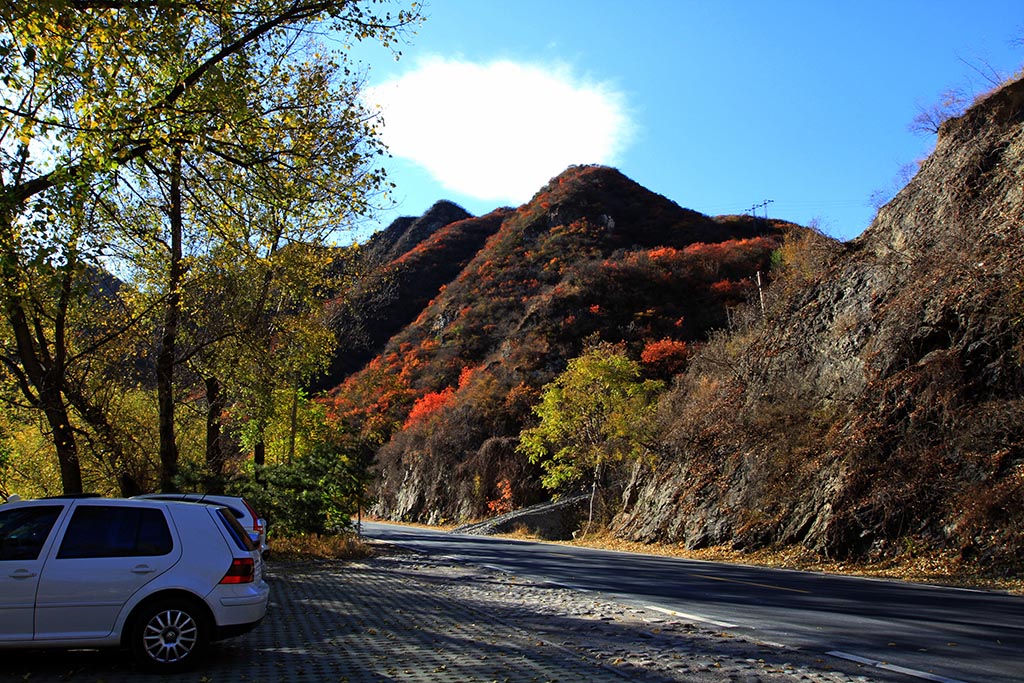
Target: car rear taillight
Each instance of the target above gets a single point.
(256, 526)
(242, 570)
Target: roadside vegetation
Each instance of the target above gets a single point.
(306, 547)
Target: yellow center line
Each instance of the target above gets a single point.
(749, 583)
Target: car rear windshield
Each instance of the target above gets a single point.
(235, 529)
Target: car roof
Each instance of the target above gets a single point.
(235, 503)
(86, 499)
(188, 496)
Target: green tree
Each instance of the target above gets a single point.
(61, 312)
(254, 351)
(318, 492)
(134, 95)
(594, 415)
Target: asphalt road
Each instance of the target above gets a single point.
(930, 633)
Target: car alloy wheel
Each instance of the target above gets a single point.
(169, 636)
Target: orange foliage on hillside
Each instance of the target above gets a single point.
(427, 405)
(503, 503)
(665, 357)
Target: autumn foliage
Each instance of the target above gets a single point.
(427, 405)
(503, 503)
(665, 357)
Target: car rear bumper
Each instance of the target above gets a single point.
(240, 607)
(243, 601)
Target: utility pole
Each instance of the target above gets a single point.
(763, 205)
(760, 292)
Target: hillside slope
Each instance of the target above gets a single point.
(879, 406)
(594, 256)
(402, 268)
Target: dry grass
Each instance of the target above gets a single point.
(521, 532)
(316, 547)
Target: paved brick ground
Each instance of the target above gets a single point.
(348, 623)
(361, 624)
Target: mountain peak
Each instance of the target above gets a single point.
(406, 233)
(632, 214)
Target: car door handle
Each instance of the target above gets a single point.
(22, 574)
(142, 569)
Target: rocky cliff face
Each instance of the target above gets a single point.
(879, 404)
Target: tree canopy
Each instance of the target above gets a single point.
(164, 140)
(594, 414)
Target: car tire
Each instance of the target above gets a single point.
(169, 635)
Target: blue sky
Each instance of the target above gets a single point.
(717, 105)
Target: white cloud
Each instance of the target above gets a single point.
(499, 131)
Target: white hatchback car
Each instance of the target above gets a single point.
(161, 578)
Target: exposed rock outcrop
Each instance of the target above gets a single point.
(556, 520)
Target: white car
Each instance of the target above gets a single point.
(243, 511)
(161, 578)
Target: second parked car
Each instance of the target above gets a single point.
(247, 516)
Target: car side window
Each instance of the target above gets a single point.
(101, 531)
(23, 531)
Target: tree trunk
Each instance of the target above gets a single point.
(166, 356)
(293, 422)
(63, 441)
(593, 497)
(47, 380)
(214, 446)
(43, 378)
(96, 418)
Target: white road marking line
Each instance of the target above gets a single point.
(694, 617)
(893, 667)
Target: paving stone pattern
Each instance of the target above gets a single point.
(405, 617)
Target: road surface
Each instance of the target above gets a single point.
(945, 635)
